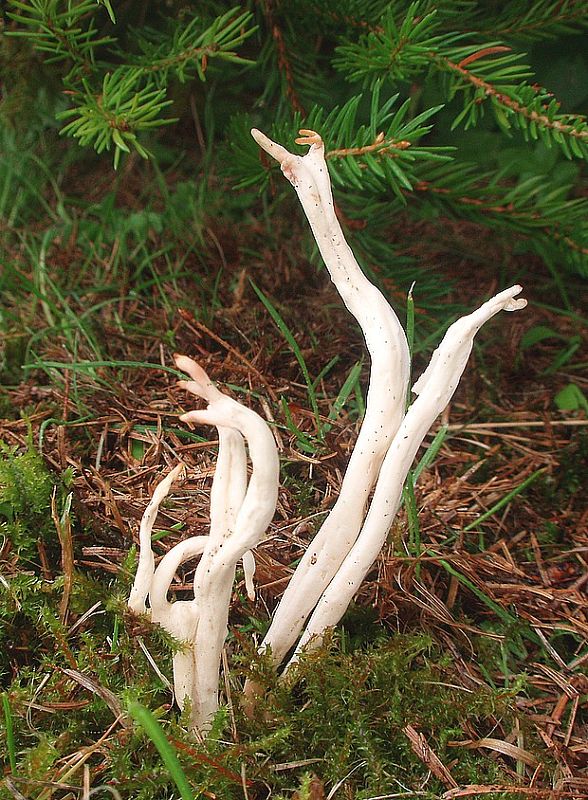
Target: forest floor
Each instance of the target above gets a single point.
(466, 650)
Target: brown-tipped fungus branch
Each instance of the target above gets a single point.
(348, 542)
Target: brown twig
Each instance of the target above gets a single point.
(508, 102)
(422, 749)
(379, 145)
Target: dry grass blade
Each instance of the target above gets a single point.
(525, 791)
(500, 746)
(13, 790)
(63, 527)
(105, 694)
(421, 748)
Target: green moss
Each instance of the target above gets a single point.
(26, 487)
(350, 709)
(28, 602)
(343, 710)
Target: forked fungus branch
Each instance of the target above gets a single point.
(348, 542)
(240, 512)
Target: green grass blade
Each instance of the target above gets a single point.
(500, 612)
(345, 391)
(409, 499)
(302, 441)
(289, 337)
(324, 371)
(154, 731)
(89, 366)
(430, 453)
(410, 320)
(414, 527)
(506, 499)
(410, 337)
(491, 604)
(10, 745)
(115, 634)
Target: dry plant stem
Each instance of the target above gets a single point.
(389, 376)
(435, 387)
(236, 531)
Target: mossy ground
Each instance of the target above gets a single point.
(345, 717)
(460, 671)
(342, 715)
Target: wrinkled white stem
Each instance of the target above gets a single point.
(230, 477)
(435, 388)
(179, 618)
(388, 349)
(215, 572)
(230, 483)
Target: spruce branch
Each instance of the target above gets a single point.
(288, 59)
(188, 47)
(544, 19)
(530, 108)
(132, 95)
(65, 34)
(285, 66)
(392, 49)
(482, 72)
(533, 207)
(126, 106)
(379, 146)
(379, 155)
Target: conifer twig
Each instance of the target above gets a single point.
(513, 105)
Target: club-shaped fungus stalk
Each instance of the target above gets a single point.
(385, 401)
(240, 512)
(434, 388)
(244, 527)
(346, 546)
(146, 564)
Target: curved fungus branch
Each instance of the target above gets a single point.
(146, 564)
(240, 512)
(435, 389)
(346, 546)
(239, 526)
(389, 376)
(179, 618)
